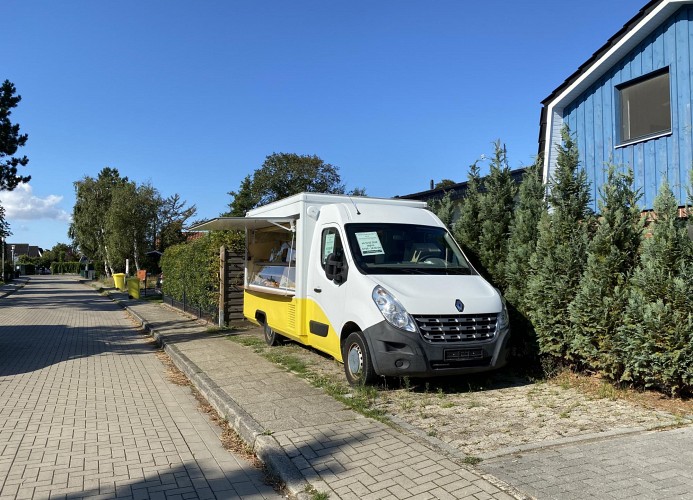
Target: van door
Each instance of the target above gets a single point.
(326, 291)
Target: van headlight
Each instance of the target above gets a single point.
(392, 310)
(503, 318)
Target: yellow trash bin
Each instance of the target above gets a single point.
(134, 288)
(119, 281)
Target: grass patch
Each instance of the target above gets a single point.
(470, 460)
(315, 494)
(359, 399)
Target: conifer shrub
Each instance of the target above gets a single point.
(495, 214)
(466, 229)
(656, 336)
(612, 255)
(522, 242)
(560, 256)
(444, 209)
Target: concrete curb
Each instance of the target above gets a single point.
(265, 446)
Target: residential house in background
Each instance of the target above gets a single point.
(19, 249)
(457, 191)
(630, 103)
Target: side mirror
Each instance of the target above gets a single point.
(336, 268)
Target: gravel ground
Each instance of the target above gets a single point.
(493, 414)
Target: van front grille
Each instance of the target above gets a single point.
(457, 327)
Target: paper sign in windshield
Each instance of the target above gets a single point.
(369, 243)
(329, 246)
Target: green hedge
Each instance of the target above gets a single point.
(191, 270)
(65, 268)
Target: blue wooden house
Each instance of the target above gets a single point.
(630, 103)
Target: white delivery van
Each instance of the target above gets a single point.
(379, 284)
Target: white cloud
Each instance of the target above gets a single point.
(21, 204)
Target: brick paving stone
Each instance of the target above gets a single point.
(86, 409)
(654, 464)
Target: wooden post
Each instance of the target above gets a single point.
(223, 285)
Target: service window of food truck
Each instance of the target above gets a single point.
(272, 260)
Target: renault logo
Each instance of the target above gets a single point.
(459, 305)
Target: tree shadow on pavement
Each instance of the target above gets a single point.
(27, 348)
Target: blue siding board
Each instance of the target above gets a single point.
(588, 146)
(592, 117)
(683, 78)
(649, 188)
(599, 158)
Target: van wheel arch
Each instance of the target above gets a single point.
(358, 361)
(272, 338)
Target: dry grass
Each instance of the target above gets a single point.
(229, 438)
(599, 388)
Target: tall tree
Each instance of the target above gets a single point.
(10, 140)
(130, 220)
(284, 174)
(524, 232)
(561, 252)
(4, 226)
(495, 214)
(656, 334)
(88, 229)
(467, 230)
(612, 255)
(172, 218)
(444, 209)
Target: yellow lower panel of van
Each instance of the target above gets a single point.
(291, 317)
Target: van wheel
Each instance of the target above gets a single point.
(271, 337)
(357, 360)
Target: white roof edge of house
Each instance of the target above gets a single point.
(636, 35)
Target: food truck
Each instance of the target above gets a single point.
(378, 284)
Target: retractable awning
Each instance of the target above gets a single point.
(226, 223)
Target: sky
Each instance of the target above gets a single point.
(192, 96)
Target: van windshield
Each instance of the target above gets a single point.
(405, 249)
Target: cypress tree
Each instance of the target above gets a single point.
(444, 209)
(521, 245)
(467, 230)
(524, 232)
(612, 255)
(656, 337)
(495, 215)
(560, 256)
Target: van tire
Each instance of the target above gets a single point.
(358, 365)
(271, 337)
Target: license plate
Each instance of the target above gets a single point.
(463, 354)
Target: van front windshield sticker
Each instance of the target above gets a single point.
(369, 243)
(329, 245)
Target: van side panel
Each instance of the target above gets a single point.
(302, 320)
(280, 311)
(321, 332)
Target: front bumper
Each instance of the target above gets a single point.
(400, 353)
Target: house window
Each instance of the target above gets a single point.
(645, 106)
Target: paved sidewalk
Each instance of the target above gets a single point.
(307, 437)
(87, 411)
(304, 435)
(654, 465)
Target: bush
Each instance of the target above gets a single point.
(191, 270)
(65, 268)
(612, 255)
(656, 337)
(561, 253)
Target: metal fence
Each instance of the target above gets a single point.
(210, 314)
